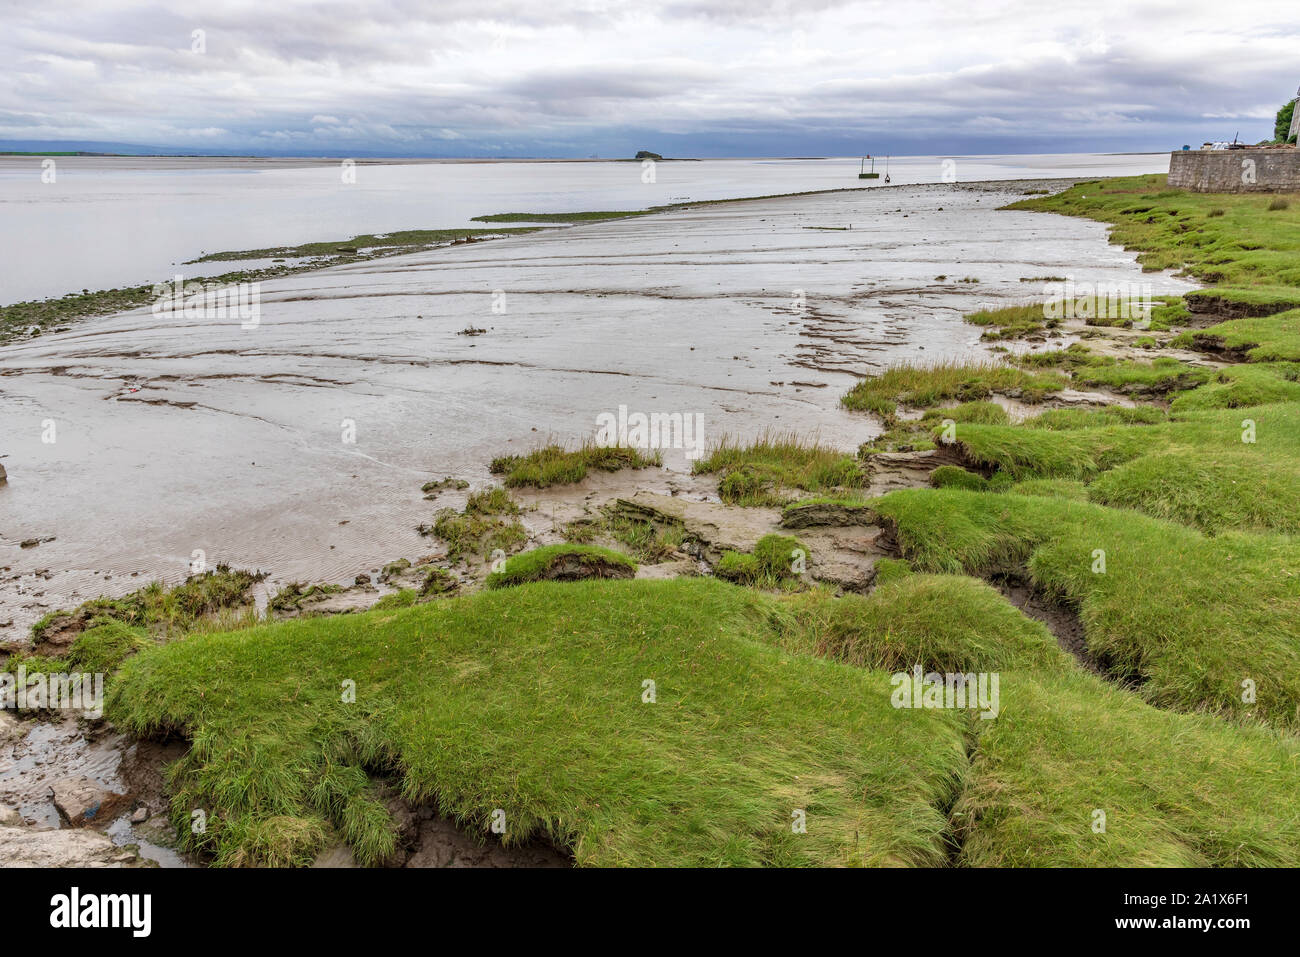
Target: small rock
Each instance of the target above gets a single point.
(9, 817)
(82, 801)
(361, 580)
(25, 847)
(140, 815)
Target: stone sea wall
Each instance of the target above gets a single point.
(1236, 171)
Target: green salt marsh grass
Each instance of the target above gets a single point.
(577, 561)
(1186, 616)
(1197, 468)
(1177, 790)
(917, 435)
(770, 565)
(1009, 322)
(928, 384)
(1066, 742)
(1242, 245)
(762, 472)
(365, 246)
(1243, 386)
(530, 699)
(489, 520)
(556, 465)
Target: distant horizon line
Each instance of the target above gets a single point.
(506, 158)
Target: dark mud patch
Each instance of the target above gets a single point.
(960, 825)
(817, 514)
(1216, 347)
(142, 770)
(572, 568)
(1209, 309)
(441, 843)
(1061, 620)
(426, 838)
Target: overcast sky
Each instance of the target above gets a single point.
(682, 77)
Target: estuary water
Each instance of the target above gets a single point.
(104, 222)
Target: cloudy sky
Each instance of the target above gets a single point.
(607, 77)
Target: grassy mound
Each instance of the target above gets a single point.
(953, 476)
(489, 521)
(1195, 468)
(1256, 339)
(1242, 386)
(759, 474)
(534, 700)
(921, 386)
(1231, 490)
(1188, 617)
(562, 563)
(555, 465)
(777, 560)
(1067, 743)
(945, 623)
(1175, 790)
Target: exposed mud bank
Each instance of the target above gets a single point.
(427, 839)
(1209, 308)
(228, 441)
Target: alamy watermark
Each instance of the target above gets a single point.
(965, 691)
(195, 300)
(39, 692)
(1097, 300)
(656, 430)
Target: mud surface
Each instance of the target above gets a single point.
(1061, 620)
(179, 435)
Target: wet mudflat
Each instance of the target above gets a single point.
(298, 446)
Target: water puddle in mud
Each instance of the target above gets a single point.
(122, 833)
(36, 754)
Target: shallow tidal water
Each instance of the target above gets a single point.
(299, 446)
(97, 222)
